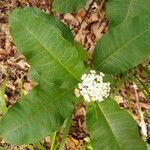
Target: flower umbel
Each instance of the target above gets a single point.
(93, 88)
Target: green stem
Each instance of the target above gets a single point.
(66, 128)
(146, 71)
(3, 107)
(40, 146)
(30, 147)
(139, 84)
(53, 141)
(145, 88)
(118, 85)
(94, 107)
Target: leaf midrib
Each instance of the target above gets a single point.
(109, 126)
(124, 45)
(55, 58)
(128, 11)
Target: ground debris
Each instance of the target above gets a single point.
(87, 28)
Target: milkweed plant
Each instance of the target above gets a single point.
(58, 68)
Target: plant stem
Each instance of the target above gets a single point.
(93, 105)
(66, 128)
(118, 85)
(53, 141)
(145, 88)
(134, 79)
(146, 71)
(3, 107)
(30, 147)
(40, 146)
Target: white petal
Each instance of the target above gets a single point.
(86, 97)
(101, 74)
(84, 77)
(93, 71)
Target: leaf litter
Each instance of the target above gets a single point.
(87, 25)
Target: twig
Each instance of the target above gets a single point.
(50, 6)
(91, 4)
(103, 4)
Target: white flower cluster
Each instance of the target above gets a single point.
(93, 88)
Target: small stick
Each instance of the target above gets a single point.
(84, 17)
(142, 123)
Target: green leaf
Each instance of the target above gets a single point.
(41, 42)
(65, 31)
(112, 128)
(81, 51)
(37, 114)
(120, 10)
(55, 66)
(68, 6)
(123, 47)
(148, 146)
(1, 148)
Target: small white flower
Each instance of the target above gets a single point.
(101, 74)
(83, 76)
(93, 88)
(93, 72)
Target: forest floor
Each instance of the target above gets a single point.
(87, 25)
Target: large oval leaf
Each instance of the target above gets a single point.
(120, 10)
(123, 47)
(37, 114)
(68, 6)
(46, 50)
(112, 128)
(56, 67)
